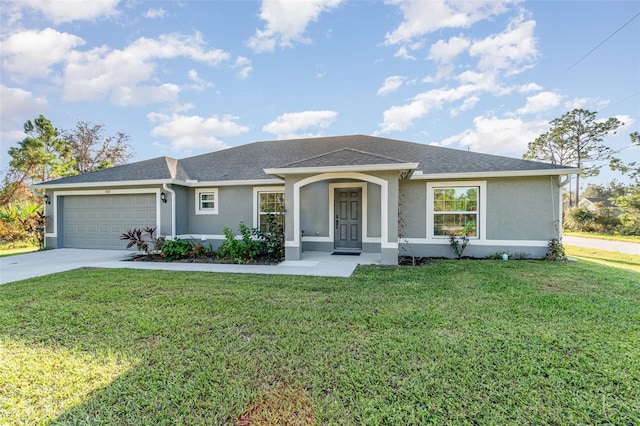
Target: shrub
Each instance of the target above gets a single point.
(145, 239)
(176, 249)
(460, 242)
(556, 251)
(22, 222)
(600, 220)
(272, 238)
(243, 250)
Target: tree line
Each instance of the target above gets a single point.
(577, 139)
(47, 153)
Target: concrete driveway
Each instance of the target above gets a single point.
(36, 264)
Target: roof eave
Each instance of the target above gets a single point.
(194, 184)
(338, 169)
(502, 173)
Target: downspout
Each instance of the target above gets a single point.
(173, 209)
(562, 184)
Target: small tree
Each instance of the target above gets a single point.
(41, 156)
(93, 151)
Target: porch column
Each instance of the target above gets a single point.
(389, 248)
(292, 245)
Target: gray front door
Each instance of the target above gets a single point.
(348, 219)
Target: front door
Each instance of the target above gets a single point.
(348, 219)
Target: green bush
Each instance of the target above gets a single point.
(22, 222)
(176, 249)
(272, 237)
(240, 250)
(600, 220)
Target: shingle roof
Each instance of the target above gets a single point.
(247, 162)
(343, 157)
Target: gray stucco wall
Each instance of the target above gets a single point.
(314, 209)
(373, 210)
(182, 209)
(235, 205)
(412, 208)
(522, 208)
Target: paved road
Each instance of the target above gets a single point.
(619, 246)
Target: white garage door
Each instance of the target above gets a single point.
(97, 221)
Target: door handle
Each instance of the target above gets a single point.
(336, 223)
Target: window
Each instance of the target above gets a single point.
(269, 202)
(207, 201)
(455, 208)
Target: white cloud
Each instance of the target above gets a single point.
(499, 135)
(32, 53)
(627, 121)
(155, 13)
(586, 103)
(391, 84)
(195, 132)
(445, 51)
(286, 22)
(198, 83)
(289, 125)
(398, 118)
(510, 50)
(101, 72)
(529, 87)
(244, 67)
(468, 104)
(16, 107)
(424, 17)
(543, 101)
(142, 95)
(70, 10)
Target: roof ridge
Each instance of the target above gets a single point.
(375, 155)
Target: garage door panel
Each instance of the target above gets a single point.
(97, 221)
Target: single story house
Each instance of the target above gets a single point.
(594, 204)
(342, 193)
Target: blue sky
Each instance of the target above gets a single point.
(183, 78)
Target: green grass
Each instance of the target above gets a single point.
(17, 250)
(604, 257)
(602, 236)
(453, 342)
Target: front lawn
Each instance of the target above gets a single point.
(605, 257)
(453, 342)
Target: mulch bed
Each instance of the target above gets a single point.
(138, 257)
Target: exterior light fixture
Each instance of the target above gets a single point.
(46, 199)
(163, 197)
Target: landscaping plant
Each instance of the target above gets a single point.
(145, 239)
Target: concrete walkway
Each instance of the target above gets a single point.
(36, 264)
(618, 246)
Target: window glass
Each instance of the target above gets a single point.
(455, 209)
(270, 202)
(207, 200)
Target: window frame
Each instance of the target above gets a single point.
(481, 206)
(256, 200)
(198, 199)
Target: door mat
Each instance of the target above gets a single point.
(345, 253)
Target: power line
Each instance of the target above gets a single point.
(602, 42)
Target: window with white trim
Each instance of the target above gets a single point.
(269, 202)
(455, 208)
(207, 201)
